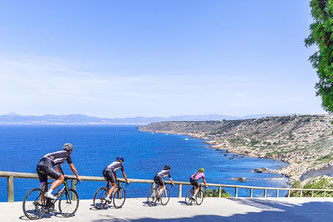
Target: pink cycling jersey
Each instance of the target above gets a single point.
(198, 175)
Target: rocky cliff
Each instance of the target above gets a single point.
(304, 141)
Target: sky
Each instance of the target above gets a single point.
(156, 58)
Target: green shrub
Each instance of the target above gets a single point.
(322, 183)
(215, 193)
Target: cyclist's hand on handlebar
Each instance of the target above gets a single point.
(79, 178)
(173, 184)
(128, 182)
(206, 186)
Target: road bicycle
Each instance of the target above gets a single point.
(153, 197)
(118, 196)
(35, 205)
(198, 198)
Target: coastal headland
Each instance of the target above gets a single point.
(303, 141)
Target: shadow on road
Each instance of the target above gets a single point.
(268, 211)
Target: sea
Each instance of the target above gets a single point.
(145, 154)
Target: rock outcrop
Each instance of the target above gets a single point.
(303, 141)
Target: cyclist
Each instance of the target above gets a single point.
(110, 175)
(159, 179)
(194, 180)
(46, 168)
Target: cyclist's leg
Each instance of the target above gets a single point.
(55, 174)
(161, 186)
(42, 180)
(113, 181)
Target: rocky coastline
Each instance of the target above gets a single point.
(305, 142)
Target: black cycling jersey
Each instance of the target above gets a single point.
(164, 173)
(59, 157)
(114, 166)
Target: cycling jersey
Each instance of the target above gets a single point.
(59, 157)
(164, 173)
(198, 175)
(115, 166)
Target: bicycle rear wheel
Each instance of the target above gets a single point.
(99, 201)
(188, 197)
(165, 197)
(119, 198)
(151, 199)
(68, 203)
(199, 198)
(32, 205)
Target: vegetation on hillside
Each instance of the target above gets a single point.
(314, 183)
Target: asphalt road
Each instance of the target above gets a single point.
(212, 209)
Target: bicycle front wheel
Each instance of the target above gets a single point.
(33, 208)
(151, 199)
(119, 198)
(199, 198)
(188, 197)
(165, 197)
(68, 203)
(99, 198)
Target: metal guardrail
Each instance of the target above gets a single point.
(11, 175)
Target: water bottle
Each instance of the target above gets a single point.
(58, 192)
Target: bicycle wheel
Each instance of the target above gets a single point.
(199, 198)
(99, 198)
(165, 197)
(68, 203)
(188, 197)
(119, 198)
(152, 197)
(32, 204)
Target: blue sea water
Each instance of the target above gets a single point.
(22, 146)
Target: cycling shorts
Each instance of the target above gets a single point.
(159, 180)
(45, 168)
(194, 182)
(109, 176)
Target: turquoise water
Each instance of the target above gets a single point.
(21, 148)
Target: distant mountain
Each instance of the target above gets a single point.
(13, 118)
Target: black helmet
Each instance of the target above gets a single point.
(166, 167)
(120, 158)
(68, 147)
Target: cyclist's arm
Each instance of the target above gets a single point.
(125, 177)
(71, 165)
(171, 181)
(204, 180)
(60, 169)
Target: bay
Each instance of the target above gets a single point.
(22, 146)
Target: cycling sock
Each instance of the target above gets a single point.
(50, 191)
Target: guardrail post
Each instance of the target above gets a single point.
(289, 191)
(153, 185)
(10, 188)
(325, 193)
(73, 185)
(312, 193)
(236, 191)
(301, 193)
(265, 192)
(220, 191)
(119, 191)
(277, 192)
(180, 191)
(251, 192)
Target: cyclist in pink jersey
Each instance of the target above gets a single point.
(194, 180)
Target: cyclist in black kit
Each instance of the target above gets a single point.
(159, 179)
(46, 168)
(110, 175)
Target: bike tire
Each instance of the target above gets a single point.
(151, 199)
(70, 200)
(200, 197)
(165, 197)
(36, 207)
(188, 197)
(119, 198)
(99, 201)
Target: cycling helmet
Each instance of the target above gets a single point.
(120, 158)
(201, 170)
(166, 167)
(68, 147)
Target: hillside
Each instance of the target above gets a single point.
(304, 141)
